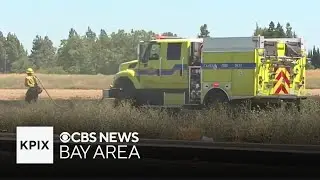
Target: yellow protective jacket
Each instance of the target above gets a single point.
(30, 81)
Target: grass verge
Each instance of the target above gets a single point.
(274, 126)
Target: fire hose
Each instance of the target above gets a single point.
(71, 104)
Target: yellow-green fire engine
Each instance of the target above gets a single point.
(179, 72)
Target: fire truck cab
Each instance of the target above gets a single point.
(173, 71)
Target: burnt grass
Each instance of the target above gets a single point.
(279, 125)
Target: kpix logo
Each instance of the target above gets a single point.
(34, 145)
(39, 145)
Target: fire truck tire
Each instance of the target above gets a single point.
(128, 91)
(215, 97)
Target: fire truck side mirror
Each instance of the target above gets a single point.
(140, 50)
(309, 60)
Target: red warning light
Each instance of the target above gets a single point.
(157, 36)
(160, 36)
(215, 85)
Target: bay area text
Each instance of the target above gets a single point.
(98, 151)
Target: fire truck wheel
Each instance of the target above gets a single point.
(215, 97)
(128, 91)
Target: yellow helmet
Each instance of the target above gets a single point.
(29, 71)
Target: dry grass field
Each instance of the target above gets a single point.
(58, 86)
(54, 81)
(89, 86)
(16, 94)
(313, 79)
(265, 126)
(272, 126)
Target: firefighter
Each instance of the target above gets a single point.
(33, 89)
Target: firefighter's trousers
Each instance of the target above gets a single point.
(32, 94)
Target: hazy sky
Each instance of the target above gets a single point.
(54, 18)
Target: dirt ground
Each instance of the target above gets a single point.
(314, 92)
(16, 94)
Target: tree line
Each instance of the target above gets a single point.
(100, 53)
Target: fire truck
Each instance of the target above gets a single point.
(178, 72)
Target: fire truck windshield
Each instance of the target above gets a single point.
(149, 51)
